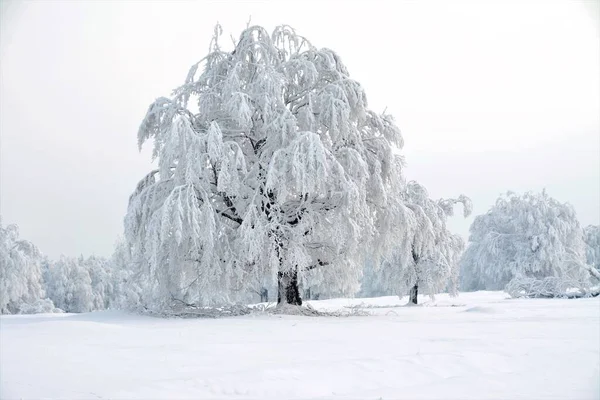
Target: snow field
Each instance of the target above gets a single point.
(477, 346)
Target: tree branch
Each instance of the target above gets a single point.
(231, 217)
(318, 264)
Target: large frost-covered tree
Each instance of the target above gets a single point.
(532, 240)
(20, 271)
(270, 165)
(428, 260)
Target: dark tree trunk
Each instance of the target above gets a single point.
(264, 295)
(414, 291)
(288, 291)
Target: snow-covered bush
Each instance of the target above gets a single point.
(20, 271)
(270, 166)
(550, 286)
(531, 238)
(40, 306)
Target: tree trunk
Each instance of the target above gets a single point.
(307, 295)
(414, 291)
(264, 295)
(288, 291)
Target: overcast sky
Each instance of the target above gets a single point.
(490, 96)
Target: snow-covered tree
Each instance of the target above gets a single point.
(69, 285)
(100, 272)
(532, 240)
(592, 241)
(81, 284)
(126, 292)
(270, 165)
(374, 280)
(20, 272)
(429, 260)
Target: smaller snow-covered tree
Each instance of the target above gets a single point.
(20, 272)
(69, 286)
(80, 284)
(428, 259)
(100, 273)
(592, 241)
(126, 292)
(434, 251)
(374, 281)
(532, 240)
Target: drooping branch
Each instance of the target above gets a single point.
(593, 271)
(228, 202)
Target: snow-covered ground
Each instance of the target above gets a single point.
(477, 346)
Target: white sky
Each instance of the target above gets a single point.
(491, 96)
